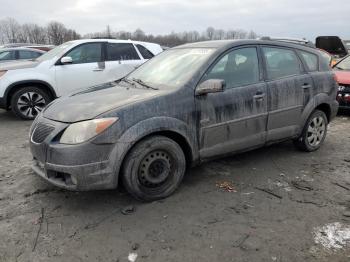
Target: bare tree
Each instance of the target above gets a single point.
(56, 32)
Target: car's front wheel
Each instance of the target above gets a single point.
(28, 102)
(154, 168)
(314, 132)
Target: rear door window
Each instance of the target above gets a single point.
(281, 62)
(310, 60)
(121, 51)
(25, 54)
(146, 54)
(238, 68)
(86, 53)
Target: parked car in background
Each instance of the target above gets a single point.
(333, 45)
(26, 87)
(19, 53)
(188, 104)
(342, 71)
(33, 46)
(347, 43)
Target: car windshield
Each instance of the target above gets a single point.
(344, 64)
(171, 68)
(59, 50)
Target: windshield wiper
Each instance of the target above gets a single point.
(339, 68)
(139, 81)
(124, 79)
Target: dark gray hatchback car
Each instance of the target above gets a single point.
(187, 105)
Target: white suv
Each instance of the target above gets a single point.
(26, 87)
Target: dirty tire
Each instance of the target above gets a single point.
(27, 102)
(314, 132)
(154, 168)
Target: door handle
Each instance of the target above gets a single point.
(306, 86)
(97, 69)
(259, 96)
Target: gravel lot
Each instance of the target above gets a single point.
(276, 204)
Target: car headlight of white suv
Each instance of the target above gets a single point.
(82, 131)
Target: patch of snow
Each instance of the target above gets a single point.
(332, 236)
(132, 257)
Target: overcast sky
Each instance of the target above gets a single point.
(294, 18)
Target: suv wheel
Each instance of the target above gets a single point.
(154, 168)
(313, 133)
(29, 101)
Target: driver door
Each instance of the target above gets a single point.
(86, 70)
(236, 118)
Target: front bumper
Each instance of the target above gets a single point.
(85, 166)
(92, 176)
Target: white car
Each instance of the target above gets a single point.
(26, 87)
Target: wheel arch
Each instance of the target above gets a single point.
(321, 102)
(11, 89)
(171, 128)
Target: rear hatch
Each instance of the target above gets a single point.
(333, 45)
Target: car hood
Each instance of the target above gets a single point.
(92, 102)
(18, 64)
(332, 44)
(343, 77)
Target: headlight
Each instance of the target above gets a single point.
(83, 131)
(2, 73)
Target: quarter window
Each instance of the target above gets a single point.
(121, 51)
(280, 62)
(7, 55)
(146, 54)
(86, 53)
(311, 60)
(238, 68)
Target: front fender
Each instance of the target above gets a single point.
(147, 127)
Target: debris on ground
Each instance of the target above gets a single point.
(269, 191)
(40, 222)
(135, 246)
(332, 236)
(227, 186)
(302, 185)
(346, 187)
(132, 257)
(241, 241)
(128, 210)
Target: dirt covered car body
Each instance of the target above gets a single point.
(189, 104)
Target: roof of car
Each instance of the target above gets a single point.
(108, 40)
(226, 44)
(22, 48)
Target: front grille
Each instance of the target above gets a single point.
(41, 132)
(344, 88)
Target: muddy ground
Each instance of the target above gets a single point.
(279, 200)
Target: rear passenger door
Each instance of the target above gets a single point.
(287, 87)
(234, 119)
(121, 59)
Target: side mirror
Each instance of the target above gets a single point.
(210, 86)
(66, 60)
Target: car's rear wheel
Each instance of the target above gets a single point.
(28, 102)
(154, 168)
(314, 132)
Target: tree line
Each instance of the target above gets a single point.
(56, 33)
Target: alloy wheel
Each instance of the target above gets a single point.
(31, 104)
(316, 131)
